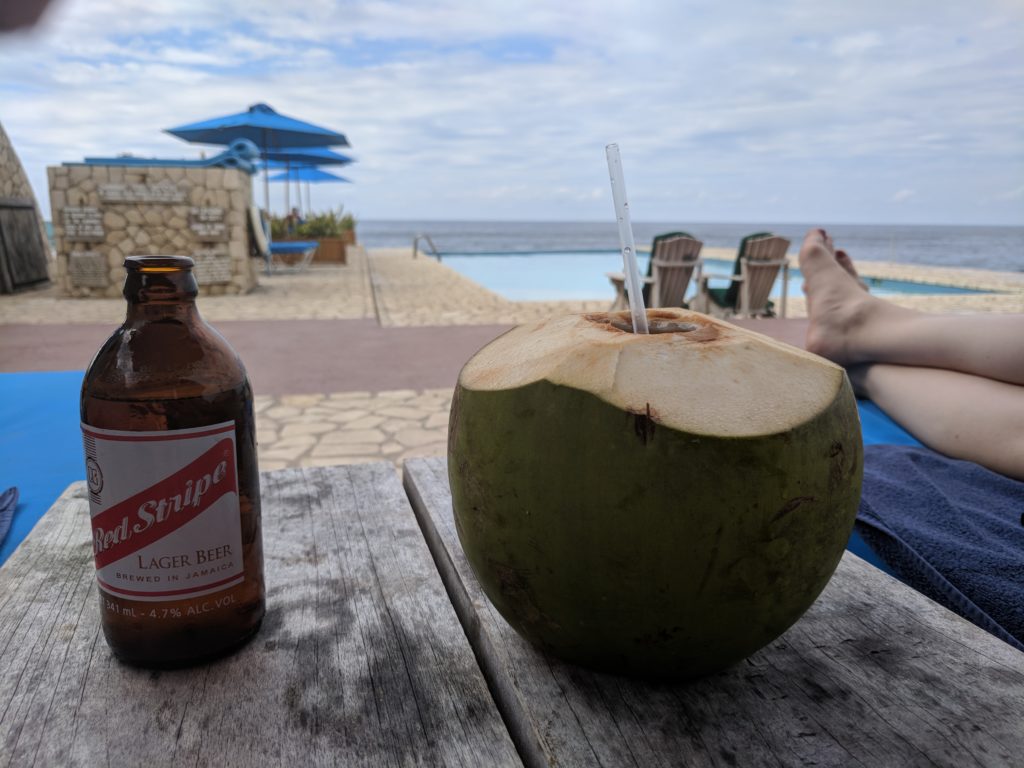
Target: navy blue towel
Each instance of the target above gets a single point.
(950, 529)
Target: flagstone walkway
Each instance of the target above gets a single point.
(351, 427)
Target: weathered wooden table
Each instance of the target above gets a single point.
(362, 661)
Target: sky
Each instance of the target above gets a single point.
(876, 111)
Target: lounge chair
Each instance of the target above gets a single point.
(758, 262)
(292, 255)
(674, 257)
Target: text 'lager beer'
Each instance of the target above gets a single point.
(170, 452)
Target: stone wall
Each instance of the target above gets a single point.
(14, 182)
(103, 213)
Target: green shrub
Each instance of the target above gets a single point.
(315, 226)
(278, 227)
(329, 224)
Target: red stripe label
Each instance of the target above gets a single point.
(163, 437)
(164, 507)
(231, 580)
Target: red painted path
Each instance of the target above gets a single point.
(294, 357)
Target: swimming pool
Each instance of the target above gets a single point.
(580, 275)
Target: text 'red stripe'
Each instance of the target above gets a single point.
(124, 514)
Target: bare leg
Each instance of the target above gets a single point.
(850, 326)
(957, 414)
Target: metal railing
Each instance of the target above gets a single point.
(433, 248)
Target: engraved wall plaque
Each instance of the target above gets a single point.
(88, 269)
(212, 267)
(162, 192)
(83, 224)
(208, 224)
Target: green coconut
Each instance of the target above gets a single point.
(661, 505)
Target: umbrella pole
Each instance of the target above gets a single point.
(287, 189)
(266, 175)
(266, 189)
(309, 201)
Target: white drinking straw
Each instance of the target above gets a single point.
(633, 291)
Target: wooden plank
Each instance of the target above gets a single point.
(6, 278)
(874, 674)
(360, 661)
(16, 202)
(22, 252)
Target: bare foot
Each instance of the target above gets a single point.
(837, 305)
(847, 263)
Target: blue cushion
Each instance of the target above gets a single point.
(40, 444)
(297, 246)
(878, 429)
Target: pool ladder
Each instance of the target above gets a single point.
(433, 248)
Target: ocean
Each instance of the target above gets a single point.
(999, 248)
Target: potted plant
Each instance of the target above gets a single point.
(333, 230)
(279, 228)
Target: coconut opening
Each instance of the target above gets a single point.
(655, 326)
(657, 322)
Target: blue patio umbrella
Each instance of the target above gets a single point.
(310, 175)
(263, 126)
(267, 129)
(300, 157)
(306, 156)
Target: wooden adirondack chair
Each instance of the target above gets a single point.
(760, 258)
(674, 258)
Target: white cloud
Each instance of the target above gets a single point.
(855, 45)
(502, 110)
(902, 196)
(1011, 194)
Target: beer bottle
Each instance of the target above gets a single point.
(170, 446)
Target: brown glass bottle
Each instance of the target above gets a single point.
(168, 425)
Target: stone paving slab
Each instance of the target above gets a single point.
(351, 427)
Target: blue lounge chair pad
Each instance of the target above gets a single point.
(40, 444)
(298, 246)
